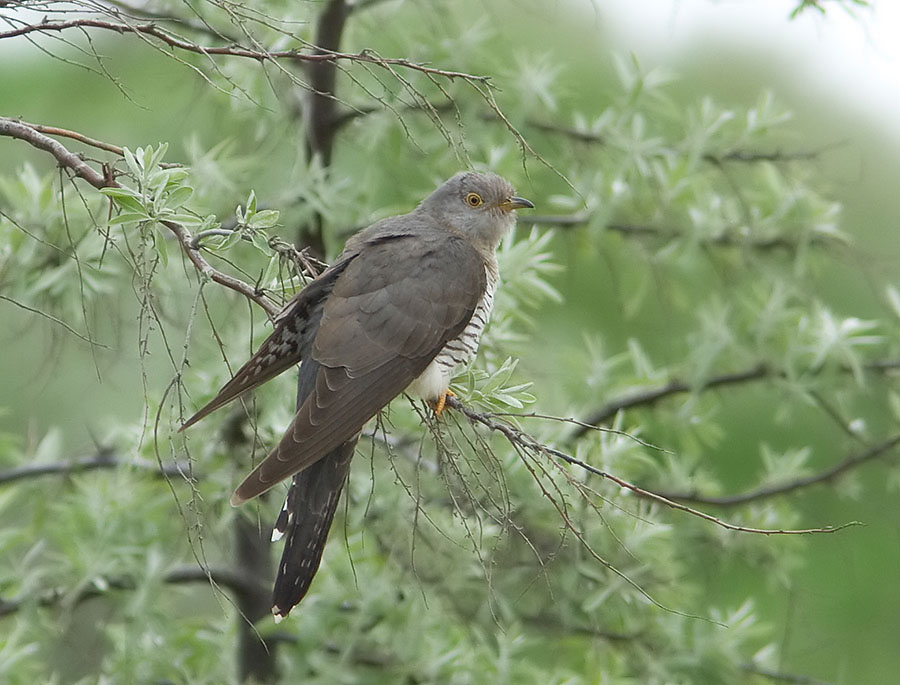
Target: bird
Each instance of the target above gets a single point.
(400, 309)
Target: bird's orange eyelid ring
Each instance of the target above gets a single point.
(516, 203)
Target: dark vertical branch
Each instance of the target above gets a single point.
(322, 77)
(255, 658)
(320, 117)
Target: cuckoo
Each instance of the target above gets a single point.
(403, 305)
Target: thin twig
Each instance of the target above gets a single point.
(260, 55)
(87, 140)
(75, 135)
(829, 474)
(650, 396)
(103, 460)
(59, 322)
(737, 156)
(224, 577)
(131, 12)
(522, 439)
(782, 676)
(70, 160)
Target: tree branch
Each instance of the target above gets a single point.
(224, 577)
(58, 322)
(256, 659)
(69, 160)
(781, 676)
(321, 121)
(724, 239)
(523, 440)
(74, 135)
(103, 460)
(316, 54)
(86, 140)
(739, 156)
(72, 161)
(829, 474)
(133, 12)
(650, 396)
(322, 80)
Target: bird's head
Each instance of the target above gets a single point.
(482, 207)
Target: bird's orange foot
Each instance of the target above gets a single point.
(441, 403)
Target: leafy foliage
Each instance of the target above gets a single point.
(676, 249)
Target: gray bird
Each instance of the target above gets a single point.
(404, 305)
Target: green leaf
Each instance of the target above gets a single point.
(157, 156)
(229, 241)
(893, 298)
(179, 196)
(271, 273)
(180, 217)
(125, 198)
(260, 241)
(128, 217)
(267, 218)
(145, 156)
(132, 163)
(123, 191)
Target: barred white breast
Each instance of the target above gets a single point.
(435, 380)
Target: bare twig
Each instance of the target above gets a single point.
(727, 238)
(72, 161)
(52, 318)
(131, 11)
(225, 577)
(523, 440)
(782, 676)
(87, 140)
(103, 460)
(69, 160)
(829, 474)
(260, 55)
(75, 135)
(738, 156)
(650, 396)
(206, 269)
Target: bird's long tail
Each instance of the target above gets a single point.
(304, 522)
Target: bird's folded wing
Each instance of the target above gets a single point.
(282, 349)
(390, 312)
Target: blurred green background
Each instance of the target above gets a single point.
(832, 606)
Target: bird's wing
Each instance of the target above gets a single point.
(389, 313)
(294, 327)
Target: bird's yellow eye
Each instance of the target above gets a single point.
(474, 200)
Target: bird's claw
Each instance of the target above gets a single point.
(441, 403)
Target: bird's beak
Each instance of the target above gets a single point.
(516, 203)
